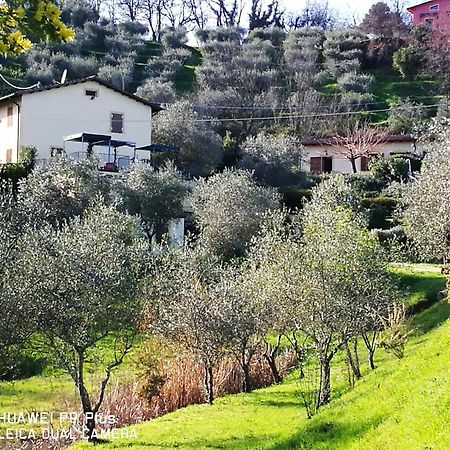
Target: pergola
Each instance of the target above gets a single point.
(102, 140)
(156, 148)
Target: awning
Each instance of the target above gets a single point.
(90, 138)
(115, 143)
(158, 148)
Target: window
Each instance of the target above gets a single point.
(9, 155)
(364, 163)
(9, 115)
(434, 8)
(116, 123)
(91, 93)
(320, 164)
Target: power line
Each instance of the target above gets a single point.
(18, 87)
(304, 116)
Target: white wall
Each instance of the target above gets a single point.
(48, 116)
(343, 165)
(8, 135)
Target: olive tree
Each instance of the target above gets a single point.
(15, 325)
(63, 190)
(81, 285)
(249, 315)
(426, 206)
(229, 208)
(329, 275)
(276, 159)
(156, 196)
(185, 304)
(200, 147)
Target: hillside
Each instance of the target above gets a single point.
(402, 404)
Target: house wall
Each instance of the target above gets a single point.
(9, 134)
(49, 116)
(342, 165)
(440, 18)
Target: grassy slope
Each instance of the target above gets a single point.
(389, 87)
(419, 281)
(271, 418)
(403, 404)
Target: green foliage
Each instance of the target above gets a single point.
(229, 208)
(381, 210)
(390, 169)
(155, 196)
(401, 404)
(200, 147)
(12, 173)
(408, 61)
(23, 22)
(231, 153)
(294, 197)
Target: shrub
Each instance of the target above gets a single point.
(16, 364)
(380, 211)
(295, 196)
(389, 170)
(355, 82)
(408, 61)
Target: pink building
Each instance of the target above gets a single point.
(435, 13)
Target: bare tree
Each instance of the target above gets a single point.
(358, 141)
(153, 12)
(316, 13)
(130, 9)
(265, 16)
(227, 13)
(198, 13)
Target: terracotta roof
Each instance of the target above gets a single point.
(385, 139)
(156, 107)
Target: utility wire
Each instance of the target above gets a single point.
(304, 116)
(18, 87)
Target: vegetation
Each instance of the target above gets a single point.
(381, 406)
(314, 297)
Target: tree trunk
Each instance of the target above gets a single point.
(353, 161)
(270, 355)
(246, 385)
(353, 359)
(209, 384)
(89, 416)
(371, 347)
(325, 382)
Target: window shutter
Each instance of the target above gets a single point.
(315, 164)
(116, 123)
(364, 164)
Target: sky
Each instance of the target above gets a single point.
(346, 8)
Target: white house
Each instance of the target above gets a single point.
(44, 116)
(324, 155)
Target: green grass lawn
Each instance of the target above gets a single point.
(403, 404)
(419, 281)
